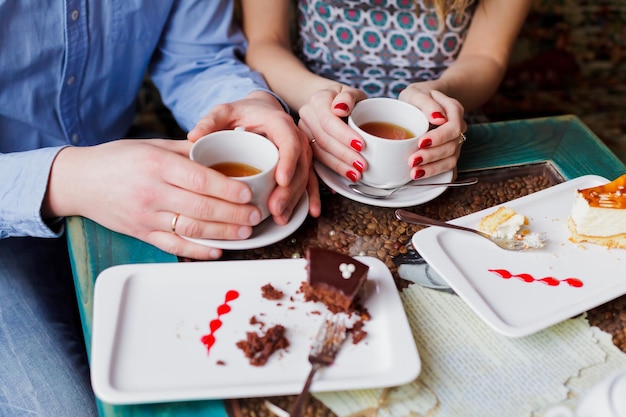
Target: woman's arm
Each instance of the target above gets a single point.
(320, 102)
(466, 85)
(483, 59)
(266, 24)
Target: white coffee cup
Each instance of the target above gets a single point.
(241, 147)
(605, 399)
(387, 159)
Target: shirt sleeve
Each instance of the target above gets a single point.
(199, 61)
(22, 189)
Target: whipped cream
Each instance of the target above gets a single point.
(509, 228)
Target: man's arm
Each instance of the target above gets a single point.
(24, 180)
(199, 61)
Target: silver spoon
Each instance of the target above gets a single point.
(517, 243)
(373, 192)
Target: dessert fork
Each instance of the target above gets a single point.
(519, 242)
(329, 339)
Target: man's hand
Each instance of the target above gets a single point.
(262, 113)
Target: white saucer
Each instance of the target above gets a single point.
(265, 233)
(403, 198)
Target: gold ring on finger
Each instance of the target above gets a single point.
(462, 138)
(174, 222)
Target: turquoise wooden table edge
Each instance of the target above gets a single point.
(563, 141)
(86, 240)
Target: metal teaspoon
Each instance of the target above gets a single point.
(373, 192)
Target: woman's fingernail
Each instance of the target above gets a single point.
(437, 115)
(351, 175)
(419, 174)
(356, 145)
(418, 160)
(341, 106)
(426, 143)
(358, 165)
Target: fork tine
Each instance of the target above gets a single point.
(329, 337)
(328, 340)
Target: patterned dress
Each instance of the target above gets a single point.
(379, 46)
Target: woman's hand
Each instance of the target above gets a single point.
(440, 147)
(334, 143)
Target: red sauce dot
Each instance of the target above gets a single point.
(223, 309)
(550, 281)
(574, 282)
(525, 277)
(215, 324)
(231, 295)
(208, 340)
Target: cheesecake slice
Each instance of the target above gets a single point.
(599, 215)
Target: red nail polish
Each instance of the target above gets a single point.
(341, 106)
(419, 174)
(438, 115)
(351, 175)
(426, 143)
(356, 145)
(418, 160)
(358, 165)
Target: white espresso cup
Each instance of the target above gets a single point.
(243, 156)
(387, 159)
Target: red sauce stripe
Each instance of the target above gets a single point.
(551, 281)
(208, 340)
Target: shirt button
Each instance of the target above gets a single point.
(74, 15)
(75, 139)
(71, 80)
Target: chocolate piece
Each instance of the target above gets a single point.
(333, 279)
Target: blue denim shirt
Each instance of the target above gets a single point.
(70, 72)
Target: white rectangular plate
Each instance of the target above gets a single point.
(512, 306)
(149, 320)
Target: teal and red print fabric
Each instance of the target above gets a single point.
(379, 46)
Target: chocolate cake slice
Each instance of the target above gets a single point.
(333, 279)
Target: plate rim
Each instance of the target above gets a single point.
(339, 185)
(276, 232)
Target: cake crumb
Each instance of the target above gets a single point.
(269, 292)
(259, 347)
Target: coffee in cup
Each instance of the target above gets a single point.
(235, 169)
(387, 130)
